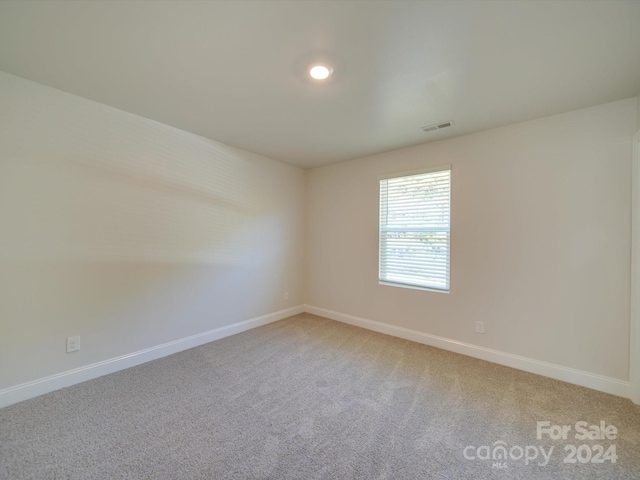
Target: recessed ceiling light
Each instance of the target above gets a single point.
(320, 71)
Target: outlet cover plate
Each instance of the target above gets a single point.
(73, 344)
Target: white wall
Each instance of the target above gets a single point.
(131, 233)
(540, 239)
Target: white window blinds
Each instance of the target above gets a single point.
(414, 229)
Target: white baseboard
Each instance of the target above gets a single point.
(558, 372)
(24, 391)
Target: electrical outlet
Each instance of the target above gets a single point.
(73, 344)
(479, 326)
(286, 296)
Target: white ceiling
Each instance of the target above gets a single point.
(234, 71)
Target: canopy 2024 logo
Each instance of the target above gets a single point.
(500, 454)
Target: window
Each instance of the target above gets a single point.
(414, 229)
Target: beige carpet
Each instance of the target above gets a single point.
(310, 398)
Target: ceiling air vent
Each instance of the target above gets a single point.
(437, 126)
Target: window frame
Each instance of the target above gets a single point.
(410, 173)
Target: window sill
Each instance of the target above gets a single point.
(411, 287)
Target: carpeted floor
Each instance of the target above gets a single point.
(310, 398)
